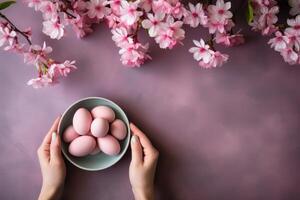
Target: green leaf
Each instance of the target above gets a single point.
(6, 4)
(44, 68)
(249, 13)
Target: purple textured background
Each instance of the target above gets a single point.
(228, 133)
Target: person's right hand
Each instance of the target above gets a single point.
(52, 165)
(143, 165)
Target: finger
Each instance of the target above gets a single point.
(44, 149)
(55, 147)
(143, 138)
(136, 150)
(148, 149)
(47, 139)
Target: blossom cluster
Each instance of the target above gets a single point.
(163, 20)
(285, 37)
(218, 19)
(48, 69)
(57, 14)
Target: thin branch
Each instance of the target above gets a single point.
(15, 28)
(69, 14)
(210, 42)
(68, 6)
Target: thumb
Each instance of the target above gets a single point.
(136, 150)
(55, 152)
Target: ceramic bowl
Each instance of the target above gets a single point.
(99, 161)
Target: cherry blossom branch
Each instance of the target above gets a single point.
(15, 28)
(285, 36)
(48, 69)
(164, 21)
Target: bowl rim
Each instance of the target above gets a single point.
(128, 130)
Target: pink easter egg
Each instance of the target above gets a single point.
(82, 146)
(90, 134)
(118, 129)
(70, 134)
(99, 127)
(82, 121)
(103, 112)
(96, 150)
(109, 145)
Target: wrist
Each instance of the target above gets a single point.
(50, 193)
(143, 194)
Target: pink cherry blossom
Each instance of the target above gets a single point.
(265, 16)
(134, 54)
(229, 24)
(78, 26)
(165, 39)
(29, 57)
(294, 25)
(196, 15)
(146, 5)
(236, 39)
(79, 5)
(7, 35)
(17, 48)
(48, 9)
(153, 23)
(293, 38)
(40, 82)
(44, 50)
(34, 4)
(53, 28)
(115, 6)
(62, 69)
(279, 42)
(170, 34)
(216, 26)
(97, 8)
(202, 51)
(178, 11)
(269, 30)
(176, 28)
(129, 12)
(120, 36)
(112, 20)
(289, 56)
(161, 6)
(220, 11)
(268, 16)
(295, 7)
(229, 40)
(217, 59)
(37, 53)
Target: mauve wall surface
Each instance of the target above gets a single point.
(227, 133)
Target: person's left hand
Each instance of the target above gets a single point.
(52, 165)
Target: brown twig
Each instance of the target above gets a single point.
(210, 42)
(15, 28)
(67, 5)
(69, 14)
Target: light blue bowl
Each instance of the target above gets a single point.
(99, 161)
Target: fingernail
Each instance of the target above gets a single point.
(53, 137)
(134, 139)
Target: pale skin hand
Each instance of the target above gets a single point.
(52, 165)
(143, 165)
(141, 171)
